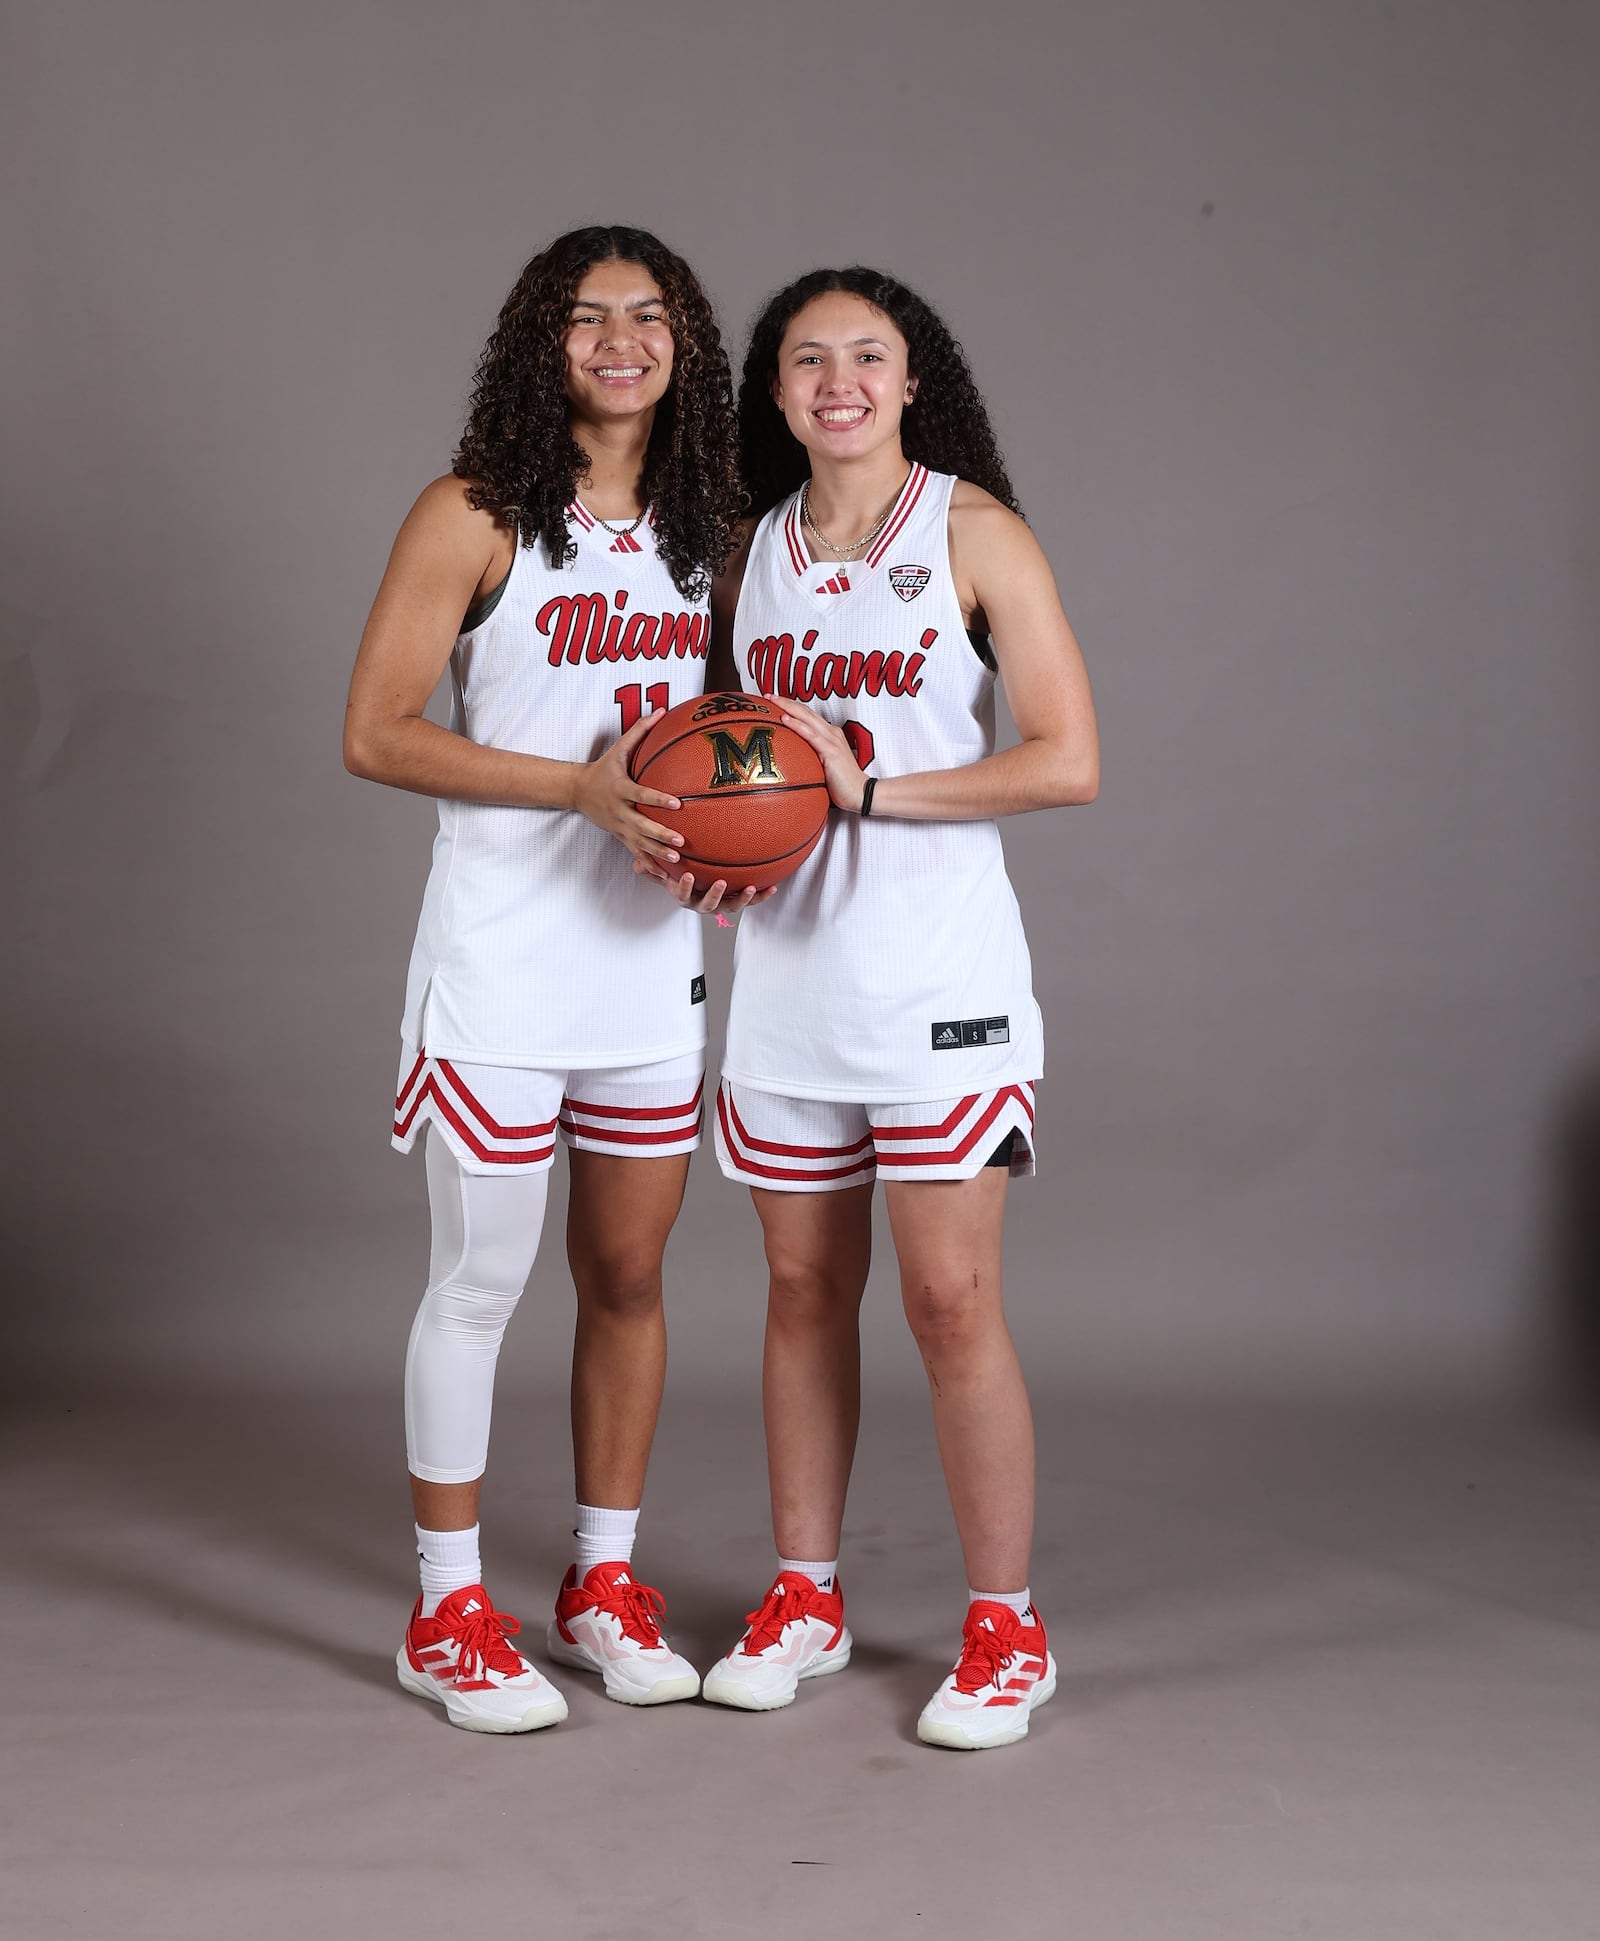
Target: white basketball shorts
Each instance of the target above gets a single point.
(497, 1116)
(790, 1145)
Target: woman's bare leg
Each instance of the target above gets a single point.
(819, 1247)
(947, 1237)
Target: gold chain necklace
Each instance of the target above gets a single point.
(620, 531)
(854, 545)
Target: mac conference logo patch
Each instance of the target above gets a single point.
(908, 581)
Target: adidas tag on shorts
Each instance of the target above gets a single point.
(790, 1145)
(497, 1116)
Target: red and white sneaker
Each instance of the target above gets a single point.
(610, 1623)
(1005, 1670)
(461, 1659)
(798, 1632)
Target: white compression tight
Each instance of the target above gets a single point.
(485, 1236)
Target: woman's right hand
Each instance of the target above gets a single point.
(612, 800)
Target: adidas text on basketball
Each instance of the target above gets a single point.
(462, 1659)
(610, 1623)
(797, 1632)
(1004, 1671)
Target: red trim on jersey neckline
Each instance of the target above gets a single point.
(791, 533)
(904, 506)
(587, 520)
(910, 492)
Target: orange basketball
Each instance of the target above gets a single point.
(754, 797)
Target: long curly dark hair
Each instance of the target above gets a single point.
(518, 455)
(946, 426)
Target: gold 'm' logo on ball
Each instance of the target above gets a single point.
(743, 764)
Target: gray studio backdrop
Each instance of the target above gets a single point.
(1287, 315)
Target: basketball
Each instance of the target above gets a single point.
(755, 800)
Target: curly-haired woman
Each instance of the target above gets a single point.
(561, 574)
(883, 1023)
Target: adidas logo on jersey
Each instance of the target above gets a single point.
(951, 1034)
(624, 543)
(908, 581)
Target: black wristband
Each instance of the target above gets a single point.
(866, 795)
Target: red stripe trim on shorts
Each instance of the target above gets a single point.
(952, 1154)
(429, 1090)
(963, 1107)
(411, 1079)
(475, 1106)
(616, 1137)
(638, 1111)
(746, 1165)
(746, 1138)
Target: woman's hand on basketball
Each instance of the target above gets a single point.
(846, 783)
(608, 795)
(707, 902)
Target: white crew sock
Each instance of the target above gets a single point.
(449, 1563)
(1019, 1601)
(604, 1537)
(824, 1576)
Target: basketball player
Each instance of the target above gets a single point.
(561, 573)
(883, 1023)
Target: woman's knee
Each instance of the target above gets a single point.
(803, 1290)
(622, 1282)
(950, 1316)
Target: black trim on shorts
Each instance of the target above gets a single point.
(1004, 1152)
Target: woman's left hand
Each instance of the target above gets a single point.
(846, 783)
(704, 902)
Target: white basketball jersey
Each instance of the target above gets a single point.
(537, 944)
(892, 964)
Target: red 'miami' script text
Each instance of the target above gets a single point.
(776, 668)
(582, 626)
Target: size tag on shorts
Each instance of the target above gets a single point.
(960, 1034)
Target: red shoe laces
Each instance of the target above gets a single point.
(481, 1636)
(786, 1603)
(636, 1607)
(985, 1653)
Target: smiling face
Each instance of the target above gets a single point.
(843, 377)
(618, 343)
